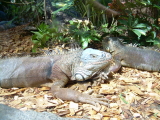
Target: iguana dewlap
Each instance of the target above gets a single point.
(143, 59)
(55, 71)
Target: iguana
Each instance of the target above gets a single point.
(143, 59)
(55, 70)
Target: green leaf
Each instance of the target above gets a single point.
(84, 44)
(124, 22)
(156, 6)
(139, 32)
(156, 115)
(94, 38)
(141, 25)
(34, 49)
(130, 20)
(65, 6)
(71, 22)
(33, 8)
(35, 41)
(53, 3)
(39, 35)
(135, 23)
(153, 34)
(123, 99)
(121, 27)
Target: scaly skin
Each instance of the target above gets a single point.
(134, 57)
(55, 71)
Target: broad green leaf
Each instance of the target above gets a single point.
(135, 23)
(121, 27)
(130, 20)
(64, 6)
(124, 22)
(35, 41)
(156, 6)
(39, 35)
(139, 32)
(60, 4)
(141, 25)
(153, 33)
(53, 3)
(84, 44)
(71, 22)
(33, 8)
(34, 49)
(94, 38)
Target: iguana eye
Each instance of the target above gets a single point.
(93, 55)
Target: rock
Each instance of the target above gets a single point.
(8, 113)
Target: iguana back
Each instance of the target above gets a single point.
(143, 59)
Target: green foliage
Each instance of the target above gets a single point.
(97, 17)
(110, 30)
(46, 34)
(80, 31)
(133, 27)
(140, 28)
(83, 32)
(25, 11)
(62, 6)
(65, 6)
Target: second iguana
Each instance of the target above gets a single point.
(134, 57)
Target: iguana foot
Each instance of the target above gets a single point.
(69, 94)
(100, 79)
(85, 98)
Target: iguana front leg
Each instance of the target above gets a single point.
(73, 95)
(69, 94)
(114, 66)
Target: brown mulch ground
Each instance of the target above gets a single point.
(133, 94)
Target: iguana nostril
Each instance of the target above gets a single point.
(108, 55)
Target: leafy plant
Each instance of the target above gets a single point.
(25, 11)
(140, 27)
(47, 34)
(110, 30)
(96, 16)
(83, 32)
(133, 28)
(78, 30)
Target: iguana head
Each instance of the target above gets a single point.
(92, 61)
(112, 44)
